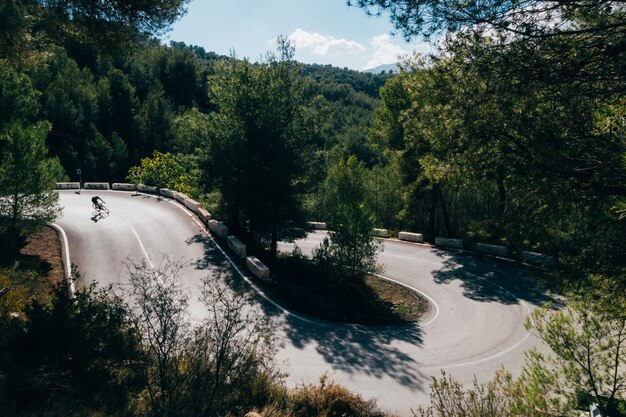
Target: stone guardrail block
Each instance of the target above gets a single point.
(381, 232)
(236, 246)
(411, 237)
(166, 192)
(96, 186)
(538, 258)
(122, 186)
(204, 215)
(498, 250)
(192, 205)
(180, 197)
(67, 185)
(220, 229)
(449, 242)
(594, 411)
(318, 225)
(257, 267)
(147, 188)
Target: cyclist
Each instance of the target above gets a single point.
(96, 202)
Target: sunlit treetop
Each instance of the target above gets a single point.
(518, 18)
(32, 26)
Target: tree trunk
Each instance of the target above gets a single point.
(444, 212)
(274, 244)
(434, 197)
(233, 216)
(501, 197)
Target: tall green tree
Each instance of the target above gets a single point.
(27, 178)
(32, 26)
(407, 132)
(555, 42)
(351, 246)
(18, 98)
(255, 149)
(510, 160)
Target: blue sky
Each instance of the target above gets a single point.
(323, 31)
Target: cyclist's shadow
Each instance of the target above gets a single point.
(98, 215)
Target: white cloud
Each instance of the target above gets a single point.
(322, 45)
(385, 52)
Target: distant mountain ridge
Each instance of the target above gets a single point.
(384, 68)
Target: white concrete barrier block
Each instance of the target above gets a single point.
(538, 258)
(96, 186)
(166, 192)
(204, 215)
(594, 411)
(192, 205)
(257, 267)
(497, 250)
(317, 225)
(180, 197)
(122, 186)
(147, 189)
(381, 232)
(449, 242)
(67, 185)
(236, 246)
(220, 229)
(411, 237)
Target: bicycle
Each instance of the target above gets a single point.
(101, 210)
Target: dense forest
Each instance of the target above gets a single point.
(450, 150)
(513, 134)
(109, 111)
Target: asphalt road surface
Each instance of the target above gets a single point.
(474, 326)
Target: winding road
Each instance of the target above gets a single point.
(474, 326)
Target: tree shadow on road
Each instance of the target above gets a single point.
(488, 279)
(215, 260)
(356, 350)
(212, 255)
(371, 351)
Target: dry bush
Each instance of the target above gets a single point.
(326, 399)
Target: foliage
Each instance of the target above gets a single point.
(449, 398)
(159, 315)
(351, 245)
(383, 183)
(18, 99)
(20, 292)
(554, 42)
(27, 177)
(319, 288)
(29, 26)
(589, 356)
(514, 128)
(164, 171)
(345, 80)
(586, 365)
(73, 353)
(491, 157)
(256, 144)
(191, 131)
(328, 399)
(220, 365)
